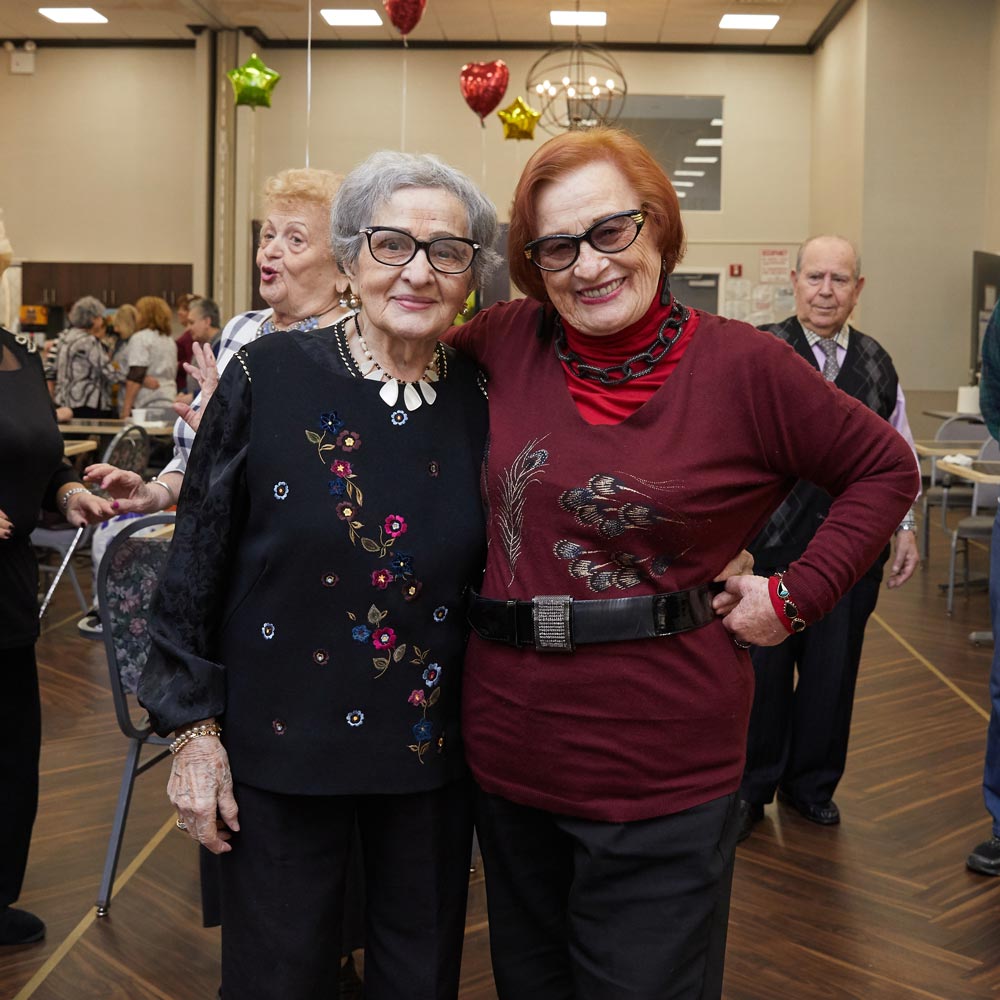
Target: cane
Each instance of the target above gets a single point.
(61, 570)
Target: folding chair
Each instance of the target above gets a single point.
(942, 493)
(976, 525)
(127, 579)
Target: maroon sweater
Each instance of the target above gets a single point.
(659, 502)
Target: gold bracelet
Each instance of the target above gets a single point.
(209, 729)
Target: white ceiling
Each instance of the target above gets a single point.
(499, 22)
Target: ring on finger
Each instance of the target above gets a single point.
(741, 644)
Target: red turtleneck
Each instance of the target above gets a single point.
(611, 404)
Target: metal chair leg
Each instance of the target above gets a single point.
(951, 574)
(118, 827)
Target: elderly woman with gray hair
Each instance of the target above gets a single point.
(85, 372)
(309, 625)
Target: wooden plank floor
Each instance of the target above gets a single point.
(879, 907)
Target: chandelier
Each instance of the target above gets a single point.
(576, 86)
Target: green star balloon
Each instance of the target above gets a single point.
(253, 82)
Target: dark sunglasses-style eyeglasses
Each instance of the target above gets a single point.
(447, 254)
(612, 234)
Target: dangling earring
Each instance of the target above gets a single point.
(348, 300)
(466, 309)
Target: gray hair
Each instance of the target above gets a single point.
(829, 236)
(369, 186)
(84, 311)
(208, 309)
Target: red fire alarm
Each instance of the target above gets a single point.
(735, 270)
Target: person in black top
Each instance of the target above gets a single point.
(311, 612)
(34, 475)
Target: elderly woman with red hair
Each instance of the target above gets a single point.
(635, 446)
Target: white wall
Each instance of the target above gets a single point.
(992, 223)
(97, 162)
(925, 154)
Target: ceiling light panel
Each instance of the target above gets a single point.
(73, 15)
(583, 18)
(351, 18)
(749, 22)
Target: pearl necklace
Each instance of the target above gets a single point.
(437, 368)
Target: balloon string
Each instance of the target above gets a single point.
(483, 156)
(309, 76)
(402, 122)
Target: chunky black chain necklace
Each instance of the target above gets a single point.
(635, 366)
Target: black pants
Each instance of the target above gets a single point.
(20, 745)
(283, 889)
(799, 731)
(584, 910)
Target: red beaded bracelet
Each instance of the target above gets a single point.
(784, 607)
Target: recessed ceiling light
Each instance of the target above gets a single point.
(689, 173)
(717, 122)
(73, 15)
(683, 184)
(681, 194)
(585, 18)
(708, 142)
(351, 18)
(701, 159)
(749, 22)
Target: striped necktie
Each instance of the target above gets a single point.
(831, 367)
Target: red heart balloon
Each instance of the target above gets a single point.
(483, 85)
(404, 14)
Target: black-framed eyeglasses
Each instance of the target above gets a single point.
(612, 234)
(447, 254)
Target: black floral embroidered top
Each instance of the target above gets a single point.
(314, 596)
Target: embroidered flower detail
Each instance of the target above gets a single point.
(398, 417)
(417, 697)
(279, 727)
(342, 468)
(402, 564)
(346, 510)
(423, 730)
(267, 630)
(330, 421)
(411, 590)
(395, 525)
(355, 717)
(361, 634)
(330, 579)
(137, 626)
(349, 440)
(439, 614)
(432, 675)
(281, 490)
(381, 578)
(433, 469)
(336, 487)
(321, 656)
(384, 638)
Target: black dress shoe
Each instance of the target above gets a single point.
(985, 858)
(20, 927)
(824, 813)
(750, 813)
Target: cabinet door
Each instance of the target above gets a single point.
(129, 283)
(73, 281)
(36, 283)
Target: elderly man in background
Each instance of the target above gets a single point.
(985, 857)
(797, 742)
(205, 329)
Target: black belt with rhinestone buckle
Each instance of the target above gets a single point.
(556, 623)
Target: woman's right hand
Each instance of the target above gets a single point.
(205, 372)
(129, 493)
(201, 789)
(6, 526)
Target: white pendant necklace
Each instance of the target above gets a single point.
(415, 394)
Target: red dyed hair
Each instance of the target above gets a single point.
(570, 151)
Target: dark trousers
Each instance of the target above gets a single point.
(585, 910)
(20, 745)
(799, 732)
(283, 888)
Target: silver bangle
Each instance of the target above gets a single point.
(64, 499)
(170, 493)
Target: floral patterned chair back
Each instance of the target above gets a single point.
(127, 579)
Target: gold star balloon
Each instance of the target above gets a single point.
(519, 120)
(253, 82)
